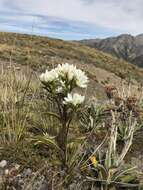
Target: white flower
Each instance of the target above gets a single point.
(67, 70)
(49, 76)
(66, 73)
(73, 73)
(81, 78)
(75, 99)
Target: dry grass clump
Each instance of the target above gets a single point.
(19, 93)
(14, 107)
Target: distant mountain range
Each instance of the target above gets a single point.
(127, 47)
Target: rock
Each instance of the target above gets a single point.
(20, 181)
(3, 163)
(17, 166)
(6, 172)
(44, 186)
(40, 183)
(27, 172)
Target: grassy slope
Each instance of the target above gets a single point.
(39, 52)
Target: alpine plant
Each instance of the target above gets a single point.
(60, 83)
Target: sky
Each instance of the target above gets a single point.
(72, 19)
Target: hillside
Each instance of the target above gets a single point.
(127, 47)
(42, 51)
(38, 53)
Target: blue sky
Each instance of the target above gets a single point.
(72, 20)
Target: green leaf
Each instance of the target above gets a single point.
(76, 140)
(46, 139)
(128, 178)
(123, 172)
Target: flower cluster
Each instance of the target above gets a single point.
(49, 76)
(63, 79)
(74, 99)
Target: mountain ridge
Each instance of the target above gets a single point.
(124, 46)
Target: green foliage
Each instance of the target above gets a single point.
(110, 168)
(91, 117)
(47, 140)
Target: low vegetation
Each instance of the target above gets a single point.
(74, 142)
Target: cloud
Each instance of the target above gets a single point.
(49, 26)
(77, 17)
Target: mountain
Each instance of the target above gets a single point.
(127, 47)
(39, 53)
